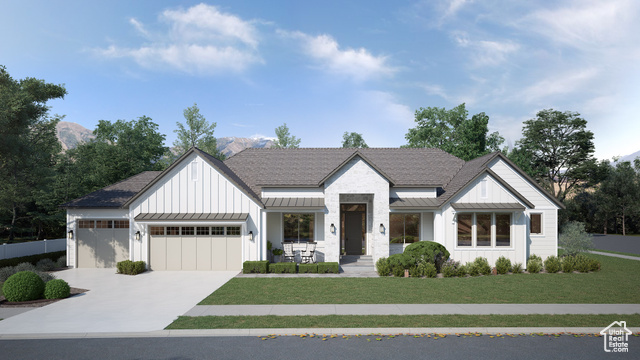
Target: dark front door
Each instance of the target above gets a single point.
(354, 228)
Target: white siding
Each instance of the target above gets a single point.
(496, 193)
(412, 193)
(211, 192)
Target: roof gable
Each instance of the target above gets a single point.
(357, 153)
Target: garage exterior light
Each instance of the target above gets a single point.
(70, 235)
(137, 235)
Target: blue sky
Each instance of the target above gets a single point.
(326, 67)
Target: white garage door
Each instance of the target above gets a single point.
(102, 243)
(195, 248)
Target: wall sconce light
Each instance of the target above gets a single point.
(70, 235)
(332, 228)
(137, 235)
(382, 228)
(250, 235)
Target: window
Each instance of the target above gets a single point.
(233, 230)
(187, 231)
(404, 228)
(298, 227)
(173, 230)
(104, 224)
(483, 189)
(485, 229)
(465, 222)
(536, 224)
(194, 171)
(217, 230)
(200, 230)
(120, 224)
(156, 230)
(85, 224)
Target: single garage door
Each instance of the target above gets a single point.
(102, 243)
(195, 248)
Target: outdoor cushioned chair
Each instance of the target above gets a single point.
(307, 255)
(288, 254)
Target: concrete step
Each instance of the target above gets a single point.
(359, 260)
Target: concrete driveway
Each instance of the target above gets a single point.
(119, 303)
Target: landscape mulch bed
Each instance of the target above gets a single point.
(36, 303)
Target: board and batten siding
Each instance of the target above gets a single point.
(73, 215)
(543, 245)
(496, 193)
(208, 191)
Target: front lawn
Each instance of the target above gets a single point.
(400, 321)
(617, 283)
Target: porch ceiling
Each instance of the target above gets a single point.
(291, 202)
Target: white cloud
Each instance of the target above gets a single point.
(200, 39)
(556, 85)
(358, 64)
(486, 52)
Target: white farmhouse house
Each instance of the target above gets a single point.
(205, 214)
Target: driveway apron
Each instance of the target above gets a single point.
(119, 303)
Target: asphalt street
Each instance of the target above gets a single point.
(628, 244)
(289, 347)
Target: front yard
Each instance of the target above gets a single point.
(617, 283)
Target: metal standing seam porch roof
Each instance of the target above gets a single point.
(275, 203)
(192, 217)
(488, 206)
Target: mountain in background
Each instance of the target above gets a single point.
(70, 134)
(630, 157)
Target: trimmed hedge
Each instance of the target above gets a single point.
(427, 251)
(328, 267)
(23, 286)
(56, 289)
(33, 259)
(255, 267)
(283, 268)
(308, 268)
(129, 267)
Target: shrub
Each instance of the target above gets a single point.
(400, 262)
(32, 259)
(428, 251)
(259, 267)
(450, 268)
(594, 264)
(45, 276)
(462, 270)
(535, 257)
(415, 272)
(129, 267)
(25, 266)
(503, 265)
(308, 268)
(23, 286)
(283, 268)
(534, 265)
(568, 264)
(383, 267)
(56, 289)
(5, 272)
(574, 239)
(552, 264)
(61, 262)
(428, 269)
(472, 269)
(517, 268)
(328, 267)
(45, 265)
(482, 266)
(582, 263)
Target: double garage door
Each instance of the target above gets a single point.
(102, 243)
(195, 248)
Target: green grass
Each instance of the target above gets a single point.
(617, 282)
(617, 252)
(377, 321)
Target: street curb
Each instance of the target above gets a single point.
(320, 331)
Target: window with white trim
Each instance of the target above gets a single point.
(298, 227)
(483, 230)
(535, 224)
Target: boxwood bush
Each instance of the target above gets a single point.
(503, 265)
(283, 268)
(328, 267)
(23, 286)
(56, 289)
(400, 262)
(428, 251)
(383, 267)
(255, 267)
(129, 267)
(308, 268)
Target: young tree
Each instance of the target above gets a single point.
(198, 132)
(453, 132)
(559, 150)
(285, 139)
(353, 140)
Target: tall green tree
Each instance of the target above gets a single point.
(452, 131)
(353, 140)
(285, 139)
(198, 132)
(557, 149)
(619, 194)
(28, 147)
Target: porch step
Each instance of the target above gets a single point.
(358, 264)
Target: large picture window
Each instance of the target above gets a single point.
(484, 229)
(298, 227)
(404, 228)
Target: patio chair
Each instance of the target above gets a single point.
(306, 256)
(288, 254)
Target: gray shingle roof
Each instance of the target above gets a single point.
(308, 166)
(114, 195)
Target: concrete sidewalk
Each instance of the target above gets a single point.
(411, 309)
(616, 255)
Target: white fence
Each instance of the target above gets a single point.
(8, 251)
